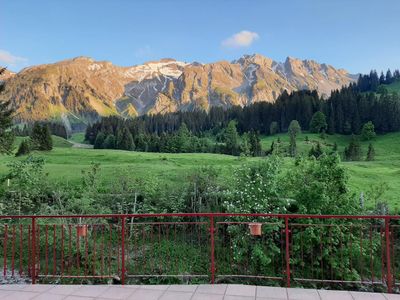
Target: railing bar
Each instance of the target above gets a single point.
(103, 233)
(62, 249)
(5, 250)
(20, 249)
(109, 249)
(94, 249)
(382, 257)
(28, 241)
(54, 250)
(47, 249)
(371, 257)
(70, 259)
(86, 252)
(361, 254)
(13, 252)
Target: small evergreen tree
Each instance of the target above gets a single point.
(99, 141)
(124, 140)
(183, 139)
(334, 147)
(244, 145)
(231, 139)
(273, 128)
(255, 143)
(353, 150)
(370, 153)
(316, 151)
(41, 138)
(24, 148)
(294, 130)
(109, 142)
(318, 122)
(368, 131)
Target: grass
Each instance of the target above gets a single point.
(362, 174)
(78, 137)
(64, 164)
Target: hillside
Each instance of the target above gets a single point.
(82, 89)
(64, 164)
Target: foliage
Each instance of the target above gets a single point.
(24, 148)
(41, 138)
(316, 151)
(231, 139)
(256, 188)
(319, 186)
(353, 150)
(293, 131)
(6, 113)
(368, 131)
(370, 153)
(273, 128)
(318, 122)
(25, 193)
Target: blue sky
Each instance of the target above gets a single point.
(357, 35)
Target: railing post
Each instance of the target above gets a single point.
(212, 249)
(123, 251)
(287, 256)
(33, 267)
(388, 264)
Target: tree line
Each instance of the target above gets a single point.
(344, 112)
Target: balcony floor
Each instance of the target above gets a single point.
(178, 292)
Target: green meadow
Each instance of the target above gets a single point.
(65, 163)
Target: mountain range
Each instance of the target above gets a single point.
(80, 90)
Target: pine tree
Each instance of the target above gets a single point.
(183, 139)
(370, 153)
(273, 128)
(244, 145)
(109, 142)
(353, 150)
(41, 138)
(334, 147)
(389, 77)
(24, 148)
(6, 135)
(317, 151)
(124, 139)
(318, 122)
(293, 131)
(231, 138)
(368, 131)
(99, 141)
(255, 143)
(382, 79)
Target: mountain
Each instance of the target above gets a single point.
(81, 89)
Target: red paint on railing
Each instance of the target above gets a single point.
(138, 250)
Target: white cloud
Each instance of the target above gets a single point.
(9, 59)
(243, 38)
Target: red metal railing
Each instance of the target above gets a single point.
(215, 247)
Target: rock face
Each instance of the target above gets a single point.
(81, 89)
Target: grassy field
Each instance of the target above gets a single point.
(64, 163)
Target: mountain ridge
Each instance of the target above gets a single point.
(81, 89)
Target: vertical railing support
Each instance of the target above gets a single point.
(212, 249)
(33, 244)
(287, 256)
(123, 250)
(388, 263)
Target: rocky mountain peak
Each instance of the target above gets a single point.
(82, 89)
